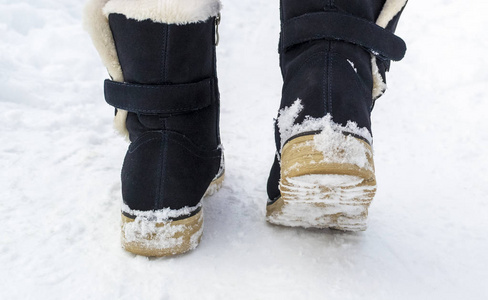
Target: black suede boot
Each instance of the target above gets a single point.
(164, 85)
(333, 57)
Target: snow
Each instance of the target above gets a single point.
(151, 235)
(60, 166)
(286, 122)
(320, 201)
(352, 65)
(288, 128)
(339, 148)
(161, 215)
(335, 146)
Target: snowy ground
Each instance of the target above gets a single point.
(60, 164)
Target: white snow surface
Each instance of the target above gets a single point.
(60, 169)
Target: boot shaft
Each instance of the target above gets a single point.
(333, 55)
(333, 58)
(159, 53)
(161, 57)
(385, 13)
(177, 57)
(368, 10)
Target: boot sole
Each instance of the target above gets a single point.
(322, 193)
(173, 237)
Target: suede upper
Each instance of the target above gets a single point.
(172, 96)
(331, 70)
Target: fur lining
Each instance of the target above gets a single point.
(379, 85)
(96, 24)
(390, 9)
(165, 11)
(119, 123)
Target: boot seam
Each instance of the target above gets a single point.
(162, 171)
(168, 45)
(325, 82)
(164, 53)
(196, 154)
(186, 143)
(331, 75)
(162, 156)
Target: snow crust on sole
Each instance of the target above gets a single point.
(150, 236)
(143, 237)
(322, 192)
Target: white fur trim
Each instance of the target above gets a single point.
(379, 86)
(165, 11)
(96, 24)
(119, 123)
(390, 9)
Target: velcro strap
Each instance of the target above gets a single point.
(338, 26)
(159, 99)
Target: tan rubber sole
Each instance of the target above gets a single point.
(155, 239)
(322, 192)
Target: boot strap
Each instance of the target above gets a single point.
(160, 99)
(338, 26)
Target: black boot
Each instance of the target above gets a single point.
(164, 86)
(333, 58)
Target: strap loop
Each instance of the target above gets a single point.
(160, 99)
(339, 26)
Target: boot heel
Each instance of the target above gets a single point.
(150, 238)
(143, 236)
(332, 188)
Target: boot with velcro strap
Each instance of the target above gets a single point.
(162, 64)
(333, 58)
